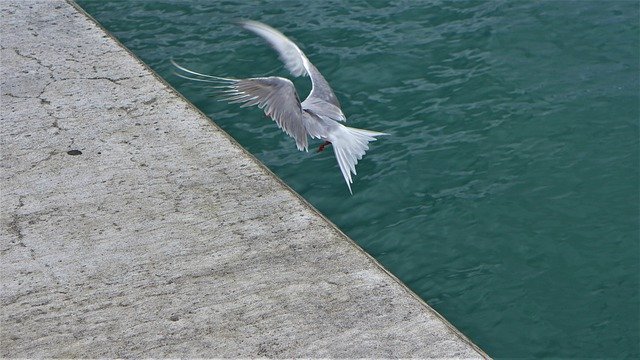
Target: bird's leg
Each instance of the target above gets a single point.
(326, 143)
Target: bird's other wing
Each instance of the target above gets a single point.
(275, 95)
(295, 61)
(292, 57)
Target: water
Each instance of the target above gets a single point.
(507, 195)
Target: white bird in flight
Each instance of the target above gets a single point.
(318, 116)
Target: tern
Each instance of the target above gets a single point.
(319, 116)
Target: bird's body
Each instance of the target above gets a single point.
(318, 116)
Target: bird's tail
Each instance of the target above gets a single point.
(349, 145)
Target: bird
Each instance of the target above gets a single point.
(319, 116)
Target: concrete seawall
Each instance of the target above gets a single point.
(132, 226)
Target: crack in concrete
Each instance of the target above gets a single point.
(49, 156)
(55, 123)
(17, 96)
(15, 228)
(31, 57)
(113, 80)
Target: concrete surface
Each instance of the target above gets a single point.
(164, 238)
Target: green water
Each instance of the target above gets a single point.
(507, 195)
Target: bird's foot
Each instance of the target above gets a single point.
(321, 148)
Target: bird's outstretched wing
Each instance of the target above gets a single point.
(275, 95)
(298, 64)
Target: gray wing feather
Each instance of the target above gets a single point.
(277, 97)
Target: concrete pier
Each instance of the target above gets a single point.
(132, 226)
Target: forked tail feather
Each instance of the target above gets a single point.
(349, 146)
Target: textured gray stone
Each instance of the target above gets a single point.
(164, 238)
